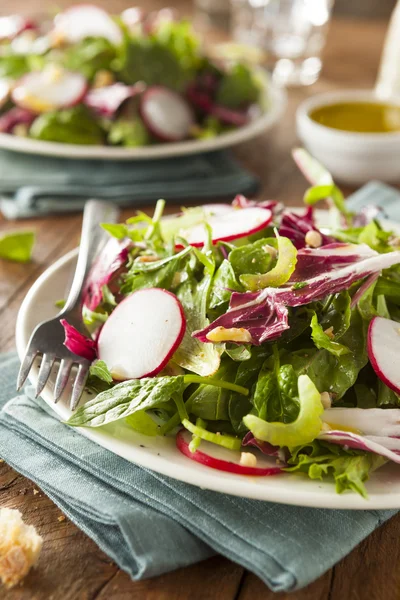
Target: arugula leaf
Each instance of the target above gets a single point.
(322, 339)
(374, 236)
(337, 314)
(210, 402)
(280, 273)
(130, 133)
(322, 192)
(17, 246)
(238, 353)
(223, 283)
(386, 396)
(349, 468)
(193, 355)
(13, 66)
(159, 274)
(238, 88)
(90, 55)
(99, 369)
(253, 258)
(126, 398)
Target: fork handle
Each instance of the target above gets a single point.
(93, 237)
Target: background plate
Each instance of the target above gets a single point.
(274, 97)
(161, 455)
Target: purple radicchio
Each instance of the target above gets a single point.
(16, 116)
(240, 201)
(265, 447)
(78, 343)
(265, 322)
(295, 227)
(109, 265)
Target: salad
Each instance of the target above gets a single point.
(131, 79)
(244, 326)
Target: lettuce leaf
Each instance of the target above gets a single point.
(75, 125)
(17, 246)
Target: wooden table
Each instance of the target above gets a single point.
(71, 566)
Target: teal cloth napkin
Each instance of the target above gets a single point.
(33, 185)
(150, 524)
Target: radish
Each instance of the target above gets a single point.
(86, 20)
(230, 225)
(50, 89)
(13, 25)
(142, 333)
(166, 114)
(222, 465)
(107, 100)
(384, 350)
(5, 89)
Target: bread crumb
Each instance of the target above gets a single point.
(20, 546)
(233, 334)
(61, 518)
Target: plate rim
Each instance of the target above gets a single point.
(274, 95)
(188, 473)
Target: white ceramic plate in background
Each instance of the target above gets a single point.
(273, 97)
(161, 455)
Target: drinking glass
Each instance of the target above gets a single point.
(291, 34)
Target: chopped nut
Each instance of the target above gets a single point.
(61, 518)
(148, 259)
(21, 130)
(234, 334)
(329, 333)
(313, 239)
(247, 459)
(35, 492)
(103, 78)
(326, 400)
(1, 460)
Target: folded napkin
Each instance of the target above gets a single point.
(149, 524)
(33, 185)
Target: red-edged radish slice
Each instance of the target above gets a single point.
(221, 465)
(5, 89)
(166, 114)
(216, 210)
(133, 17)
(107, 100)
(384, 350)
(230, 226)
(50, 89)
(142, 333)
(13, 25)
(83, 21)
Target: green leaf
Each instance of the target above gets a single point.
(238, 88)
(374, 236)
(322, 192)
(238, 353)
(130, 133)
(349, 468)
(210, 402)
(75, 125)
(223, 283)
(99, 369)
(322, 340)
(17, 246)
(117, 230)
(142, 422)
(193, 355)
(337, 314)
(226, 441)
(126, 398)
(387, 397)
(255, 258)
(89, 56)
(301, 431)
(108, 296)
(280, 273)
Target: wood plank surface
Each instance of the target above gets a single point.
(71, 566)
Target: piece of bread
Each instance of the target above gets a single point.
(20, 547)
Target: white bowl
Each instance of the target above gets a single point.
(351, 157)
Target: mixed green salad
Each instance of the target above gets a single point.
(131, 79)
(246, 327)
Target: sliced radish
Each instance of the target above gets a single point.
(107, 100)
(13, 25)
(142, 333)
(83, 21)
(52, 88)
(384, 350)
(5, 89)
(182, 444)
(228, 226)
(166, 114)
(216, 210)
(132, 17)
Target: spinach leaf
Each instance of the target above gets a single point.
(222, 285)
(210, 402)
(75, 125)
(253, 258)
(276, 396)
(322, 339)
(125, 398)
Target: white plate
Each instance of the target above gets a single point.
(161, 455)
(273, 97)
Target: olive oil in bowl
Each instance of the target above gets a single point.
(361, 117)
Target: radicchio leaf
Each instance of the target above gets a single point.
(109, 264)
(359, 442)
(16, 116)
(265, 447)
(78, 343)
(295, 227)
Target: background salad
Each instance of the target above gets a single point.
(131, 79)
(244, 326)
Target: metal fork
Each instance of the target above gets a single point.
(48, 337)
